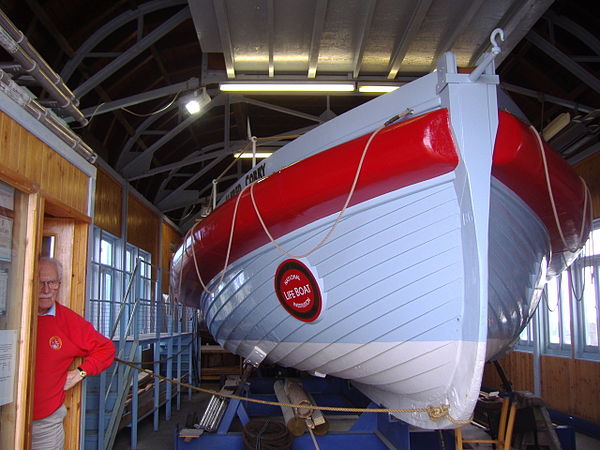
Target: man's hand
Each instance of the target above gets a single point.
(73, 377)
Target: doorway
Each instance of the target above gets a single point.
(66, 239)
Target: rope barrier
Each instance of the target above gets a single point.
(435, 413)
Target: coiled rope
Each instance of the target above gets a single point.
(266, 435)
(435, 413)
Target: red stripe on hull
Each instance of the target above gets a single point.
(400, 155)
(517, 163)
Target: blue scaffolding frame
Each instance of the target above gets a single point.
(369, 431)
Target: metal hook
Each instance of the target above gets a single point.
(497, 32)
(488, 57)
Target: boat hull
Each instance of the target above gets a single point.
(403, 274)
(397, 328)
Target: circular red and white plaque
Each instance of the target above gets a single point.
(298, 291)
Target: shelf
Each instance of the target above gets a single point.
(217, 362)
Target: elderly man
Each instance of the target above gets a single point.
(62, 336)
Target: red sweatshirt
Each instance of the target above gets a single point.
(60, 339)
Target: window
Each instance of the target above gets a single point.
(570, 308)
(586, 295)
(139, 266)
(106, 285)
(526, 338)
(121, 284)
(557, 323)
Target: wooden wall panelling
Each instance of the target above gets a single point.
(143, 231)
(10, 158)
(518, 367)
(35, 161)
(18, 140)
(586, 395)
(571, 386)
(171, 240)
(556, 379)
(108, 203)
(65, 182)
(143, 227)
(522, 364)
(37, 148)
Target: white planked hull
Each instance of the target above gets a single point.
(419, 285)
(392, 277)
(394, 320)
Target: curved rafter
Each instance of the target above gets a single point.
(110, 27)
(137, 52)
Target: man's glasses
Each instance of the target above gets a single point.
(52, 284)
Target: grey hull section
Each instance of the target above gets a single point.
(518, 256)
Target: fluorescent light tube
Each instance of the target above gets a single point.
(287, 87)
(248, 155)
(376, 89)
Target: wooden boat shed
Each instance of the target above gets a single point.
(103, 167)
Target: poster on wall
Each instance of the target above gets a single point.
(8, 352)
(7, 195)
(3, 289)
(5, 238)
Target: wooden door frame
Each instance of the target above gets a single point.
(71, 248)
(28, 330)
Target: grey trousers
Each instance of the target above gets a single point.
(48, 433)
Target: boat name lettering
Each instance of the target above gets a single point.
(255, 175)
(235, 191)
(304, 304)
(290, 278)
(297, 292)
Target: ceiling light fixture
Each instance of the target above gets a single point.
(196, 102)
(377, 88)
(193, 106)
(248, 155)
(286, 87)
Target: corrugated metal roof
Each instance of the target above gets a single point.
(355, 38)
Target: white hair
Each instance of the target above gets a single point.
(57, 264)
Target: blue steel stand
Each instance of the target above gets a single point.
(370, 431)
(234, 408)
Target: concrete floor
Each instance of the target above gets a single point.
(582, 441)
(163, 439)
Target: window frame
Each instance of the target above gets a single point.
(578, 347)
(591, 260)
